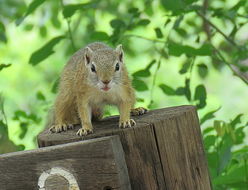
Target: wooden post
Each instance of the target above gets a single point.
(88, 165)
(164, 151)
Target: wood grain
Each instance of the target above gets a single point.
(164, 151)
(95, 164)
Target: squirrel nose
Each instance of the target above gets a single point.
(105, 81)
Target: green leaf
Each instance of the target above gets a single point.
(187, 89)
(180, 91)
(28, 27)
(117, 23)
(167, 89)
(185, 67)
(208, 116)
(220, 127)
(55, 20)
(140, 100)
(176, 49)
(202, 70)
(212, 158)
(167, 22)
(243, 68)
(133, 10)
(177, 22)
(235, 175)
(200, 96)
(241, 154)
(224, 152)
(70, 9)
(100, 36)
(2, 66)
(21, 147)
(176, 6)
(139, 85)
(181, 32)
(209, 141)
(40, 96)
(2, 27)
(238, 5)
(173, 5)
(233, 32)
(208, 130)
(143, 22)
(45, 51)
(31, 8)
(24, 129)
(151, 64)
(236, 120)
(3, 37)
(43, 31)
(240, 135)
(3, 130)
(159, 33)
(142, 73)
(19, 114)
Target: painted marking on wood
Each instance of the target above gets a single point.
(73, 185)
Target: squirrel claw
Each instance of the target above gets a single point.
(138, 111)
(84, 132)
(60, 127)
(127, 124)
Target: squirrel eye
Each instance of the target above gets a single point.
(93, 69)
(117, 67)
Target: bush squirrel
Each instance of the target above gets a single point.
(93, 77)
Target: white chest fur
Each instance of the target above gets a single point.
(110, 97)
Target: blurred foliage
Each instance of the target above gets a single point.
(174, 48)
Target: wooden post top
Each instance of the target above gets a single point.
(109, 126)
(163, 151)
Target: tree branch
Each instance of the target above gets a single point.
(218, 53)
(217, 29)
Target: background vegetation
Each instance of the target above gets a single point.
(177, 52)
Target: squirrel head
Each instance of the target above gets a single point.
(105, 67)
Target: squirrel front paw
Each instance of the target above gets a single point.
(85, 131)
(138, 111)
(127, 124)
(60, 127)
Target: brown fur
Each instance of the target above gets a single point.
(80, 97)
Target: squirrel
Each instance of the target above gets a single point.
(93, 77)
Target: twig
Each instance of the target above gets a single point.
(217, 29)
(70, 35)
(229, 65)
(154, 80)
(191, 67)
(145, 38)
(155, 76)
(69, 29)
(76, 25)
(206, 27)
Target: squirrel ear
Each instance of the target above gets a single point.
(119, 52)
(88, 55)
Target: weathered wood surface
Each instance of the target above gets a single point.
(92, 164)
(164, 151)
